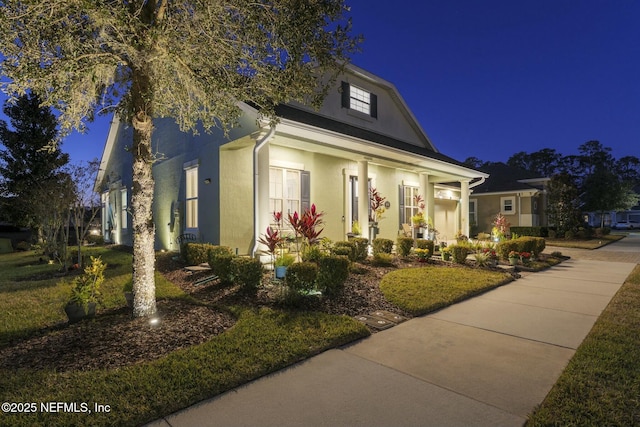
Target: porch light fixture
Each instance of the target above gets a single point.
(207, 181)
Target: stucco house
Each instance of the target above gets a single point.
(517, 194)
(225, 189)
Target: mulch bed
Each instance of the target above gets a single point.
(114, 338)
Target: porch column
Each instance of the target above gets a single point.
(464, 207)
(363, 197)
(261, 186)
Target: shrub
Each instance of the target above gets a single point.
(382, 246)
(534, 245)
(345, 248)
(246, 272)
(530, 231)
(196, 253)
(382, 259)
(404, 245)
(552, 234)
(482, 258)
(361, 248)
(459, 253)
(96, 239)
(569, 235)
(312, 254)
(505, 246)
(220, 262)
(426, 244)
(332, 273)
(300, 279)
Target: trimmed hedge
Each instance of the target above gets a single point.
(196, 253)
(404, 245)
(345, 248)
(332, 273)
(247, 272)
(361, 248)
(459, 253)
(300, 279)
(534, 245)
(530, 231)
(426, 244)
(220, 262)
(382, 246)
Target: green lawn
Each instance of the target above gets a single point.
(261, 341)
(601, 384)
(422, 290)
(593, 243)
(32, 298)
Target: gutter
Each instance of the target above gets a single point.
(260, 143)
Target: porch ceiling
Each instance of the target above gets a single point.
(315, 140)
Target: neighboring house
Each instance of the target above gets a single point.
(513, 192)
(225, 189)
(594, 219)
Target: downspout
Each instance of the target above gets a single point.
(475, 184)
(256, 176)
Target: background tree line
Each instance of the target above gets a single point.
(39, 189)
(591, 181)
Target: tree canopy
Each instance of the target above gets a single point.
(192, 60)
(26, 165)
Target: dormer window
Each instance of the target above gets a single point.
(358, 99)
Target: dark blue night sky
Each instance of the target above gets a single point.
(489, 78)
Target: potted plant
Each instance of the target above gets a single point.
(514, 257)
(86, 292)
(525, 257)
(281, 264)
(446, 253)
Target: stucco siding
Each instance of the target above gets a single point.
(236, 199)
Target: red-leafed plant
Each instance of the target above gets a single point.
(305, 226)
(376, 202)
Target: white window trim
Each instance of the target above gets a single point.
(474, 211)
(513, 205)
(285, 197)
(188, 225)
(360, 100)
(124, 205)
(412, 205)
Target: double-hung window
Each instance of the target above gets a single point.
(284, 190)
(411, 206)
(473, 212)
(191, 205)
(358, 99)
(508, 205)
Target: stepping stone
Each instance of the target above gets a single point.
(375, 322)
(198, 268)
(391, 317)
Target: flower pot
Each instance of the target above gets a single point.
(281, 271)
(446, 256)
(77, 312)
(514, 261)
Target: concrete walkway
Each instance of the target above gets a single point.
(487, 361)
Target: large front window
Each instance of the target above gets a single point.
(284, 190)
(191, 207)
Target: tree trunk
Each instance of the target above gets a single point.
(144, 286)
